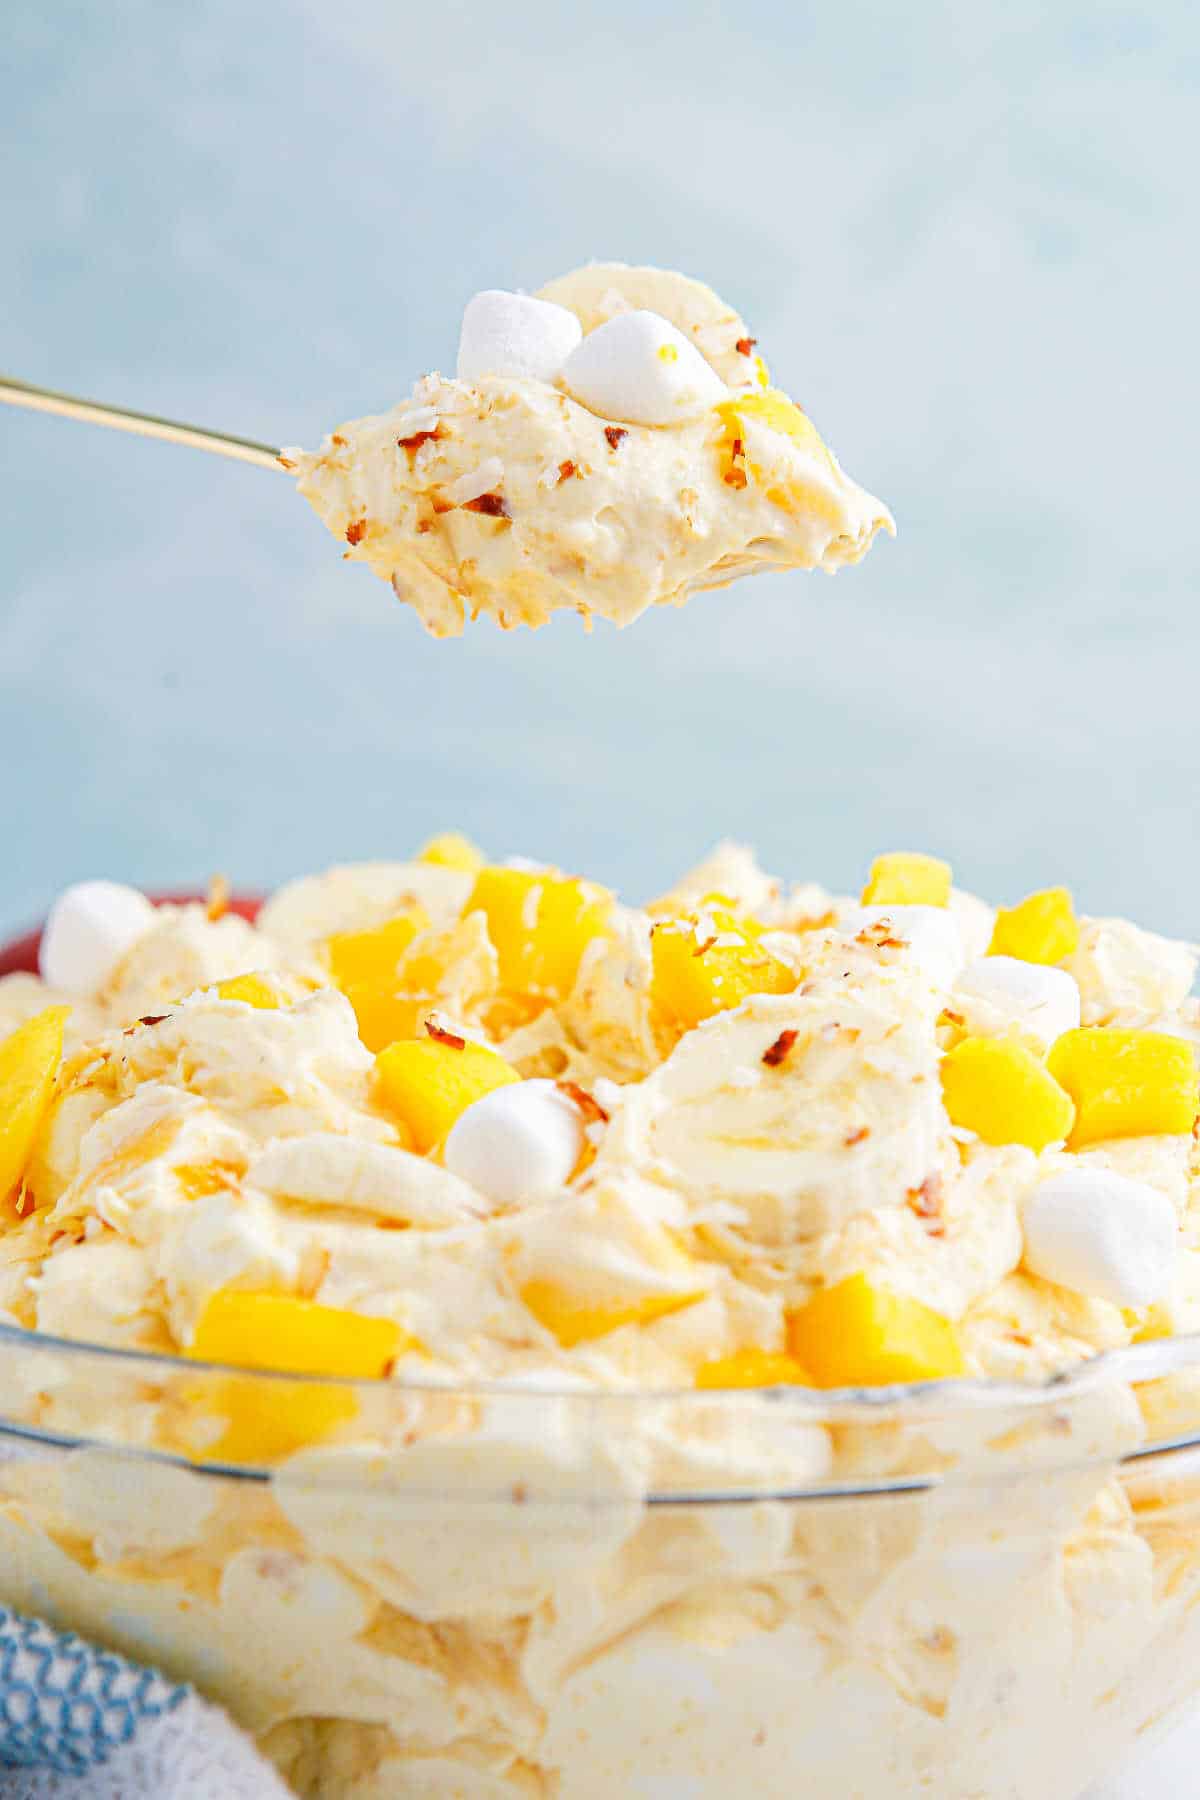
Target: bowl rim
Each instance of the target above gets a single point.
(929, 1400)
(1133, 1363)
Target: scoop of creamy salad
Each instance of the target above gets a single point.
(607, 445)
(459, 1120)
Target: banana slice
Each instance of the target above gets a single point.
(795, 1112)
(598, 292)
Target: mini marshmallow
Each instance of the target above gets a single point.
(639, 368)
(518, 1143)
(931, 932)
(513, 334)
(90, 928)
(1102, 1235)
(999, 993)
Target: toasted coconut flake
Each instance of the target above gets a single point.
(217, 903)
(476, 482)
(781, 1049)
(926, 1201)
(417, 438)
(493, 506)
(589, 1106)
(441, 1035)
(146, 1019)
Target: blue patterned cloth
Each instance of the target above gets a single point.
(67, 1706)
(81, 1723)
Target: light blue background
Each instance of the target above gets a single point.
(966, 238)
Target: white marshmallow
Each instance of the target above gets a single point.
(1000, 992)
(1103, 1235)
(514, 334)
(519, 1143)
(90, 928)
(931, 932)
(639, 368)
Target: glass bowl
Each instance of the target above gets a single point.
(964, 1590)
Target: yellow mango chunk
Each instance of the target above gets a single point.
(694, 977)
(264, 1420)
(450, 850)
(774, 410)
(906, 878)
(771, 408)
(575, 1321)
(753, 1369)
(29, 1063)
(371, 958)
(252, 990)
(859, 1335)
(1126, 1083)
(300, 1337)
(383, 1018)
(540, 926)
(1042, 929)
(365, 964)
(1002, 1091)
(267, 1419)
(427, 1084)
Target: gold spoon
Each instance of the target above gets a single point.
(121, 418)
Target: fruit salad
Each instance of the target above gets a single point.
(545, 1255)
(612, 443)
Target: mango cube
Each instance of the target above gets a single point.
(427, 1084)
(29, 1064)
(450, 850)
(753, 1369)
(1126, 1083)
(262, 1420)
(365, 964)
(266, 1419)
(300, 1337)
(371, 958)
(540, 926)
(384, 1018)
(906, 878)
(251, 990)
(859, 1335)
(699, 969)
(1002, 1091)
(576, 1321)
(1042, 929)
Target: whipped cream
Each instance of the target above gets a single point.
(609, 445)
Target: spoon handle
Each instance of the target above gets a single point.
(121, 418)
